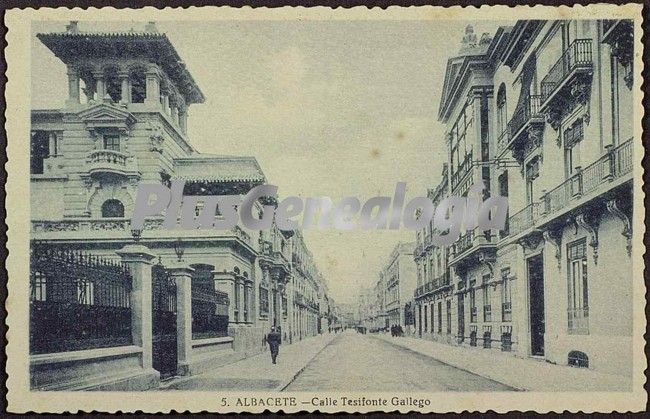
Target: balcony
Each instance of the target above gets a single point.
(100, 163)
(526, 116)
(433, 286)
(574, 64)
(606, 173)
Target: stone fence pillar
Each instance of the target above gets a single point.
(139, 260)
(182, 274)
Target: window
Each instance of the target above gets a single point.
(573, 136)
(112, 208)
(439, 316)
(506, 297)
(472, 301)
(487, 300)
(532, 173)
(432, 308)
(112, 142)
(578, 296)
(501, 110)
(138, 85)
(39, 150)
(503, 191)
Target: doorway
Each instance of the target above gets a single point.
(536, 306)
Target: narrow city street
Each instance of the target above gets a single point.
(356, 362)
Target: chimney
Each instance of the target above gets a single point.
(72, 27)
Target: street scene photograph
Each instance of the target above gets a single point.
(343, 214)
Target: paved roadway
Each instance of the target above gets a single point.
(356, 362)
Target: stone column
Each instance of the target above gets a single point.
(139, 260)
(248, 288)
(152, 87)
(99, 86)
(225, 282)
(165, 101)
(126, 87)
(52, 144)
(73, 87)
(182, 120)
(182, 274)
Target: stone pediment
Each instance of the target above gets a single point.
(106, 116)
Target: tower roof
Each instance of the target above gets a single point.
(73, 46)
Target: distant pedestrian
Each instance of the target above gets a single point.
(274, 338)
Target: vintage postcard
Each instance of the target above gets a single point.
(304, 209)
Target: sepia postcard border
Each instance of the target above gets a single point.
(21, 399)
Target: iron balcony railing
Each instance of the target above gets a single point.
(614, 164)
(525, 112)
(577, 55)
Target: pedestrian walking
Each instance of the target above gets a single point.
(274, 338)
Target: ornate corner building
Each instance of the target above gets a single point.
(124, 122)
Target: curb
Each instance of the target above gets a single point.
(514, 387)
(284, 385)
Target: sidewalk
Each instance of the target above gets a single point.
(257, 372)
(521, 373)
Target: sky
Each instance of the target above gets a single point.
(328, 108)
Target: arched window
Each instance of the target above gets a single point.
(138, 85)
(113, 84)
(112, 208)
(578, 359)
(501, 110)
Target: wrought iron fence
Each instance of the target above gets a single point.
(209, 311)
(578, 54)
(77, 301)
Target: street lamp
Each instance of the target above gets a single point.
(179, 249)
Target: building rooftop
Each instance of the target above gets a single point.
(74, 45)
(216, 168)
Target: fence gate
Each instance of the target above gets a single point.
(163, 303)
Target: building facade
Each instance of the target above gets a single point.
(125, 123)
(399, 278)
(307, 285)
(541, 112)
